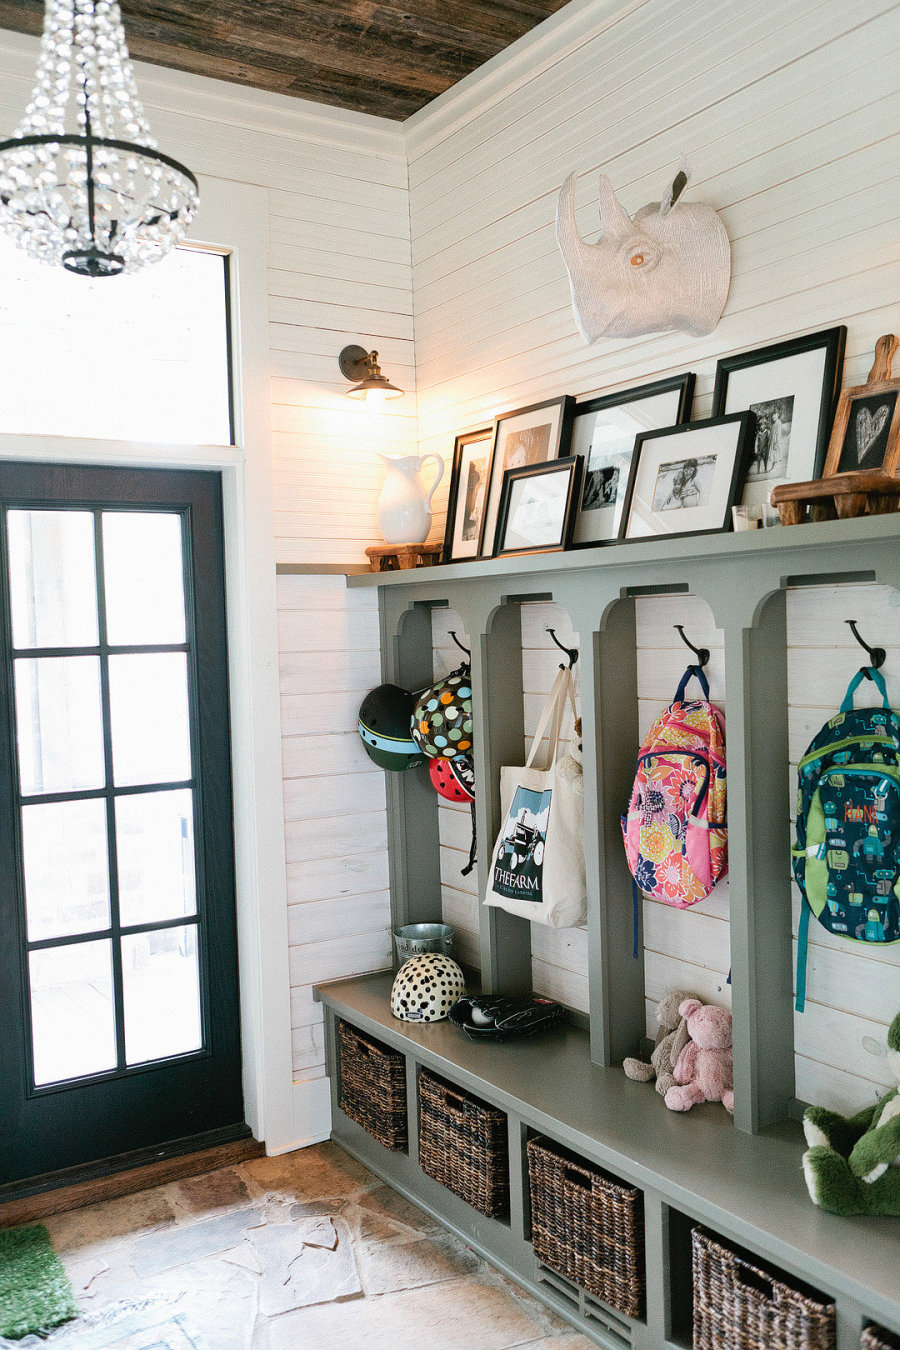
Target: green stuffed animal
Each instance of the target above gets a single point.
(853, 1166)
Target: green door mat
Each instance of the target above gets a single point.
(35, 1293)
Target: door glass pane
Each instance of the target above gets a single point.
(143, 578)
(66, 884)
(59, 722)
(149, 714)
(161, 981)
(72, 1018)
(52, 582)
(155, 843)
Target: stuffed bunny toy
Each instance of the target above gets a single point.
(704, 1070)
(671, 1039)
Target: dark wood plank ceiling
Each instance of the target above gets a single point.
(388, 59)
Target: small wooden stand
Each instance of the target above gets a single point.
(403, 557)
(842, 496)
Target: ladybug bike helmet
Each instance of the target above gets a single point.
(454, 779)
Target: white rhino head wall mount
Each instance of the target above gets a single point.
(667, 269)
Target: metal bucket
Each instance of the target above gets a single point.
(415, 938)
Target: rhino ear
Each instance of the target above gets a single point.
(676, 187)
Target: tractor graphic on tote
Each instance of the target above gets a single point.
(519, 861)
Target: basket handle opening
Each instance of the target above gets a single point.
(576, 1177)
(451, 1096)
(754, 1281)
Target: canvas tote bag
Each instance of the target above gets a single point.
(537, 867)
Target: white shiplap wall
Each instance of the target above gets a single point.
(798, 154)
(335, 822)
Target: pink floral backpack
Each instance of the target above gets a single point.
(676, 838)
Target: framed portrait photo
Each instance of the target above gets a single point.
(468, 487)
(603, 432)
(684, 480)
(522, 439)
(791, 387)
(866, 433)
(537, 507)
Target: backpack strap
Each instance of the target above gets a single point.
(685, 679)
(802, 936)
(877, 679)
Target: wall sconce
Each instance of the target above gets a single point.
(372, 387)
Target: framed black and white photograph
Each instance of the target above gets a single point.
(604, 432)
(521, 440)
(538, 506)
(685, 480)
(468, 486)
(792, 388)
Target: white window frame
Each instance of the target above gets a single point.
(234, 219)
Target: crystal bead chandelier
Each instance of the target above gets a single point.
(82, 183)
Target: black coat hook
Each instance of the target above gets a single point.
(877, 655)
(571, 652)
(459, 644)
(701, 653)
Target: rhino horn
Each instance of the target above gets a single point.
(614, 218)
(571, 244)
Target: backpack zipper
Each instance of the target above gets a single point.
(848, 740)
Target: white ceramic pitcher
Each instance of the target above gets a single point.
(404, 511)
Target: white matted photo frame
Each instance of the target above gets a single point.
(468, 491)
(684, 480)
(603, 432)
(522, 439)
(792, 388)
(537, 507)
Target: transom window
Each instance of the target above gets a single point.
(143, 357)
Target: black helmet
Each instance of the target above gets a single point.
(384, 721)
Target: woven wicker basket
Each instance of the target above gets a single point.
(373, 1087)
(876, 1338)
(740, 1306)
(463, 1144)
(587, 1226)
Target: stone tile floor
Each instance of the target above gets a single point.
(309, 1251)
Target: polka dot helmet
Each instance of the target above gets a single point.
(384, 721)
(453, 778)
(426, 988)
(442, 718)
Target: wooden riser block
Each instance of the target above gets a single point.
(841, 496)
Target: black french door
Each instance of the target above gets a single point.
(118, 951)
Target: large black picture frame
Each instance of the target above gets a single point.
(559, 414)
(682, 387)
(675, 446)
(812, 409)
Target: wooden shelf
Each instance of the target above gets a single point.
(746, 1187)
(745, 544)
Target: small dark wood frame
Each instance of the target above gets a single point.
(879, 382)
(566, 404)
(684, 382)
(832, 340)
(459, 445)
(573, 465)
(746, 431)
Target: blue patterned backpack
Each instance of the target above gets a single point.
(847, 855)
